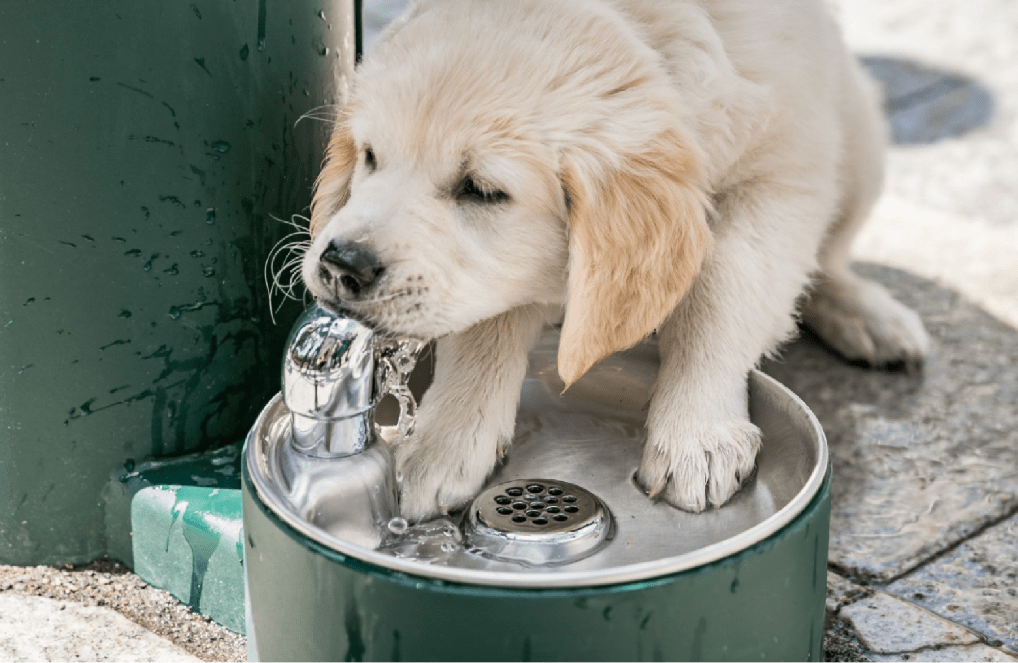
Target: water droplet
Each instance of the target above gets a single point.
(134, 253)
(172, 271)
(175, 313)
(210, 215)
(321, 14)
(124, 314)
(197, 254)
(221, 146)
(398, 526)
(261, 44)
(208, 271)
(148, 266)
(244, 52)
(323, 51)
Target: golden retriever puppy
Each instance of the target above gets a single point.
(686, 166)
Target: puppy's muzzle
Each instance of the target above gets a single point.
(349, 268)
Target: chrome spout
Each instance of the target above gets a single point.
(329, 383)
(335, 371)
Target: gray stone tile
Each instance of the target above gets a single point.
(888, 625)
(841, 642)
(35, 628)
(921, 460)
(841, 590)
(976, 584)
(966, 653)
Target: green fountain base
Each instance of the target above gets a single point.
(186, 530)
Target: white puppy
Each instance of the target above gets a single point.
(680, 165)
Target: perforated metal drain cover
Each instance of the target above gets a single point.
(538, 521)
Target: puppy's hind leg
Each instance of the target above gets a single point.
(857, 317)
(467, 417)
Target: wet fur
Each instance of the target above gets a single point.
(673, 165)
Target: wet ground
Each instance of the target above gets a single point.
(923, 561)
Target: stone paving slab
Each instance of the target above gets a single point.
(975, 584)
(109, 585)
(35, 628)
(867, 623)
(921, 460)
(888, 625)
(841, 591)
(968, 653)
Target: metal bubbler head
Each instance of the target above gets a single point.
(335, 371)
(334, 469)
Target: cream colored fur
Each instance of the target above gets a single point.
(668, 164)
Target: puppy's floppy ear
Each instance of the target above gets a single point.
(332, 188)
(637, 237)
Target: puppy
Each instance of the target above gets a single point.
(685, 166)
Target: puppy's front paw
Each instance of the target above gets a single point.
(437, 477)
(695, 469)
(864, 322)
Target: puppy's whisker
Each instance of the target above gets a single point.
(296, 221)
(325, 113)
(381, 299)
(281, 271)
(287, 285)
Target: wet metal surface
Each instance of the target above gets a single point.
(592, 437)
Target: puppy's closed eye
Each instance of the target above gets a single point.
(370, 161)
(469, 190)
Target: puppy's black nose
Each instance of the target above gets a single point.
(354, 266)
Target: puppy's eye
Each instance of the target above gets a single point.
(470, 191)
(369, 160)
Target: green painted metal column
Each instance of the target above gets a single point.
(145, 148)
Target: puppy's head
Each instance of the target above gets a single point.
(507, 168)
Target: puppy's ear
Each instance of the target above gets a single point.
(332, 188)
(637, 237)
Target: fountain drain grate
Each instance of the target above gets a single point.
(538, 521)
